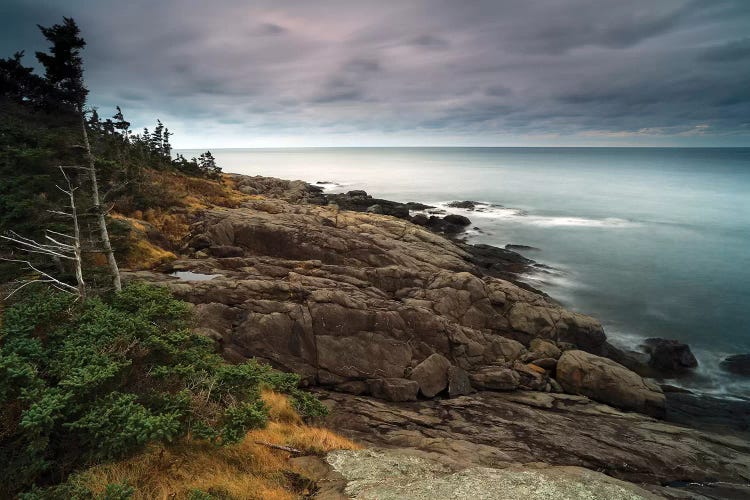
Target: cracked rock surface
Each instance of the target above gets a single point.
(343, 297)
(492, 429)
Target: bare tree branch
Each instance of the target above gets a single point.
(56, 249)
(61, 234)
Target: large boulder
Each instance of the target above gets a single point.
(432, 375)
(394, 389)
(669, 356)
(580, 372)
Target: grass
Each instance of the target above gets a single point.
(247, 470)
(175, 198)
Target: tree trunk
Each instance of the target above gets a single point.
(101, 219)
(77, 245)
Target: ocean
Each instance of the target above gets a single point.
(654, 242)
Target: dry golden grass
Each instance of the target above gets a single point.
(196, 192)
(143, 254)
(179, 196)
(247, 470)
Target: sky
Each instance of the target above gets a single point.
(298, 73)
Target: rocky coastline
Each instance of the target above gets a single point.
(435, 347)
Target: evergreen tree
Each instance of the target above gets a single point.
(166, 146)
(121, 124)
(94, 122)
(157, 138)
(64, 74)
(63, 66)
(207, 165)
(18, 82)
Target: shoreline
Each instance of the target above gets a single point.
(686, 404)
(531, 274)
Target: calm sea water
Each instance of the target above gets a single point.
(653, 242)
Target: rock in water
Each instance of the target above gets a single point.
(432, 375)
(669, 356)
(458, 220)
(739, 364)
(420, 220)
(579, 372)
(470, 205)
(511, 246)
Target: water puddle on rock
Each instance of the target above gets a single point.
(191, 276)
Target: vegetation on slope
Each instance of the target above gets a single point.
(108, 393)
(196, 470)
(83, 383)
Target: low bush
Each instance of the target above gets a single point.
(83, 383)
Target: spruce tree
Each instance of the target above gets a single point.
(64, 74)
(63, 66)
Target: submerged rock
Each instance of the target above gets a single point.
(511, 246)
(739, 364)
(602, 379)
(469, 205)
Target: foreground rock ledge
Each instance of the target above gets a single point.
(490, 429)
(394, 474)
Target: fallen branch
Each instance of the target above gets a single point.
(288, 449)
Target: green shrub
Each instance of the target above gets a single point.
(91, 381)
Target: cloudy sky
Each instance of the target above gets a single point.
(231, 73)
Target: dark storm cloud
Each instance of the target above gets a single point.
(419, 71)
(430, 41)
(271, 29)
(735, 50)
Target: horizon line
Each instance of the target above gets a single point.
(204, 148)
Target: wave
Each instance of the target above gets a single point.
(609, 222)
(329, 185)
(485, 210)
(708, 378)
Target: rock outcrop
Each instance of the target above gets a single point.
(340, 296)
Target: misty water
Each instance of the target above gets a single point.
(652, 242)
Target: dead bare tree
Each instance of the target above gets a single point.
(54, 248)
(98, 210)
